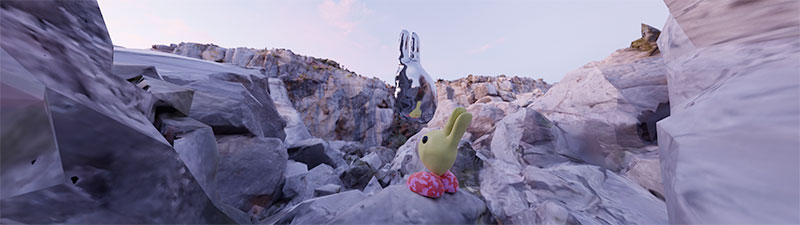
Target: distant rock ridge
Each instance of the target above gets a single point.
(338, 104)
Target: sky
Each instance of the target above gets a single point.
(537, 39)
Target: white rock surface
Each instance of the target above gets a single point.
(729, 151)
(598, 106)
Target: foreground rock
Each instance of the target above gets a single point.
(398, 205)
(729, 150)
(570, 193)
(525, 180)
(250, 171)
(61, 53)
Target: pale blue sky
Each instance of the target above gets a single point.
(538, 39)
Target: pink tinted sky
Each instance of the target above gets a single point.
(539, 39)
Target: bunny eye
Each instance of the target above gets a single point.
(424, 139)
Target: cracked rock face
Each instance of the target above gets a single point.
(333, 103)
(524, 179)
(597, 107)
(728, 150)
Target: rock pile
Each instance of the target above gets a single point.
(197, 133)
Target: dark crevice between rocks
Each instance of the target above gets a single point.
(655, 193)
(163, 110)
(647, 122)
(231, 130)
(32, 162)
(74, 179)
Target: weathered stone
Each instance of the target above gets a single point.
(72, 55)
(250, 170)
(128, 71)
(29, 153)
(373, 186)
(468, 90)
(295, 168)
(728, 150)
(312, 152)
(65, 46)
(591, 195)
(358, 175)
(597, 107)
(191, 50)
(648, 41)
(327, 189)
(164, 48)
(334, 103)
(644, 169)
(406, 161)
(230, 108)
(295, 128)
(373, 160)
(301, 187)
(213, 53)
(317, 210)
(90, 195)
(398, 205)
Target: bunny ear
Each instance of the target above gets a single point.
(414, 46)
(404, 45)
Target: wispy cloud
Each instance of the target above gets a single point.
(487, 46)
(344, 15)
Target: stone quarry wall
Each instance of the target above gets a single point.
(729, 150)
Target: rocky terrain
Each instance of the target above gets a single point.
(683, 126)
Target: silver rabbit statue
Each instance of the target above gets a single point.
(415, 91)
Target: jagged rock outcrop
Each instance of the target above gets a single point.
(599, 107)
(468, 90)
(729, 149)
(524, 177)
(144, 161)
(68, 69)
(236, 104)
(648, 40)
(334, 103)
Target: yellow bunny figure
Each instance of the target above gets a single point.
(437, 151)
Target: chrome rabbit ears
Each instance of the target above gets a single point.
(409, 46)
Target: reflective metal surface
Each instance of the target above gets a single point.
(415, 91)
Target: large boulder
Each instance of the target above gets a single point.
(396, 204)
(250, 170)
(317, 210)
(60, 58)
(313, 152)
(729, 149)
(598, 107)
(231, 107)
(524, 179)
(302, 186)
(571, 193)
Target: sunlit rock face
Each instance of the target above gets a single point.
(415, 92)
(603, 107)
(729, 150)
